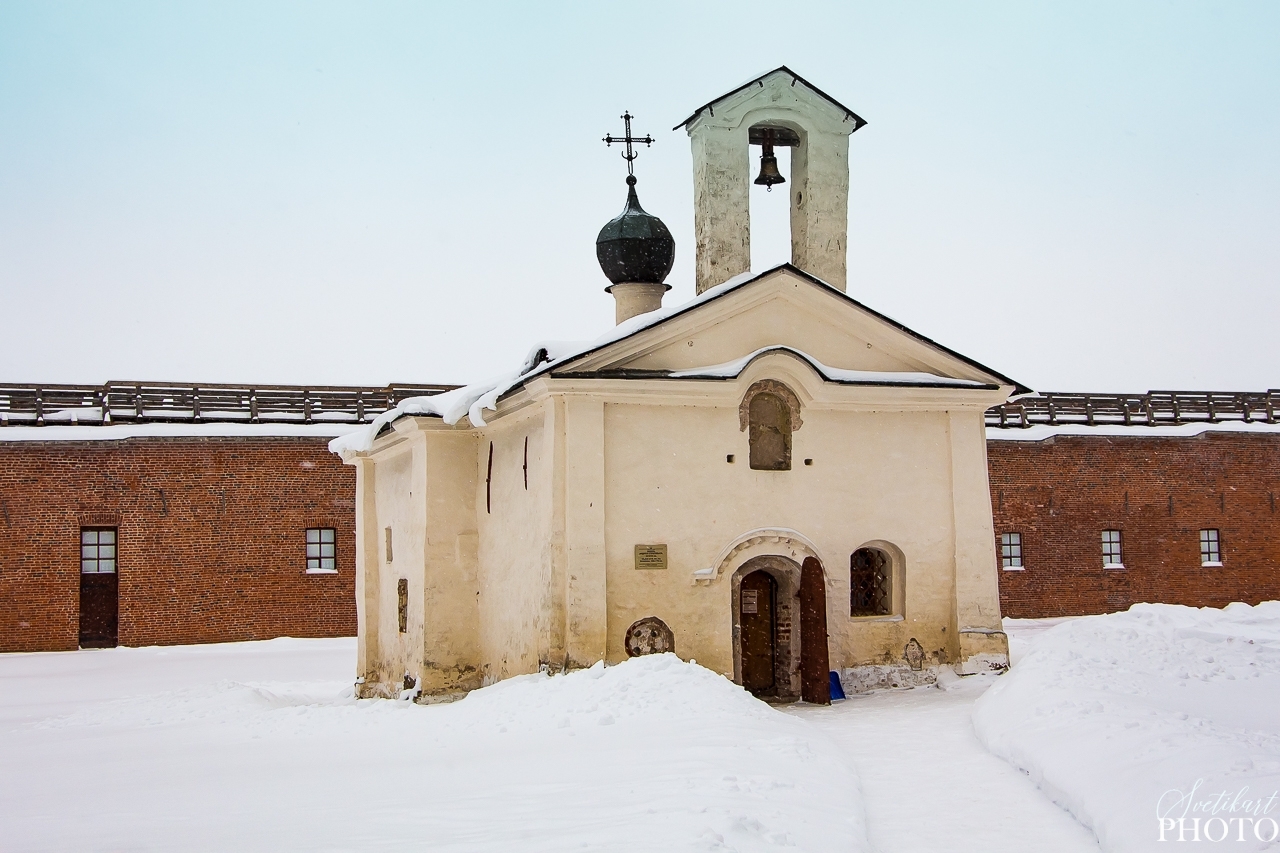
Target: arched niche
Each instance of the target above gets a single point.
(769, 413)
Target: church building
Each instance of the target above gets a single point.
(773, 479)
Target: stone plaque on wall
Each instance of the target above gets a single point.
(651, 556)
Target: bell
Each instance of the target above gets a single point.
(769, 174)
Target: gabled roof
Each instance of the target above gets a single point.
(657, 318)
(557, 359)
(858, 121)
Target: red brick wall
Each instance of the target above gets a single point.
(212, 530)
(211, 538)
(1061, 493)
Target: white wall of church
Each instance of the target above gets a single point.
(516, 613)
(397, 493)
(451, 638)
(891, 484)
(506, 575)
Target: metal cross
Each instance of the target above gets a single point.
(630, 154)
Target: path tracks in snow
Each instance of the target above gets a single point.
(928, 784)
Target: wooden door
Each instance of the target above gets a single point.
(99, 610)
(757, 607)
(99, 588)
(815, 684)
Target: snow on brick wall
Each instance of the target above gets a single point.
(1061, 493)
(211, 538)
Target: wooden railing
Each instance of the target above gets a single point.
(163, 402)
(1154, 408)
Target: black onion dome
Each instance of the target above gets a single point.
(635, 246)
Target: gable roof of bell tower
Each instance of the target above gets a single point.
(796, 79)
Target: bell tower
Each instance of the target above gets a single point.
(779, 108)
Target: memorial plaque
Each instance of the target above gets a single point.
(750, 601)
(651, 556)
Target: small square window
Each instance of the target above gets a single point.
(1011, 551)
(321, 549)
(1210, 548)
(97, 550)
(1111, 555)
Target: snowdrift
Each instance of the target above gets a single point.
(652, 754)
(1161, 712)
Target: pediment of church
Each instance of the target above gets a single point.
(783, 308)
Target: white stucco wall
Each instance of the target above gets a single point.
(880, 478)
(545, 575)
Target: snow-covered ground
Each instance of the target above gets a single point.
(929, 785)
(260, 746)
(1158, 713)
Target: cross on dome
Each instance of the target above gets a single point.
(629, 154)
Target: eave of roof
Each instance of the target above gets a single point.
(558, 369)
(663, 374)
(858, 121)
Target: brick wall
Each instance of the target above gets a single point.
(212, 530)
(211, 538)
(1061, 493)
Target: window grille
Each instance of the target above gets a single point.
(321, 556)
(1210, 548)
(97, 550)
(1111, 556)
(1011, 550)
(869, 583)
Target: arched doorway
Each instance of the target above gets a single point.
(766, 627)
(780, 629)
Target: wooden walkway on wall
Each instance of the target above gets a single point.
(164, 402)
(1154, 408)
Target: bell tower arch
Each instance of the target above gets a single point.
(783, 109)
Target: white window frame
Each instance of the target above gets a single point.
(98, 548)
(322, 551)
(1112, 549)
(1210, 547)
(1011, 552)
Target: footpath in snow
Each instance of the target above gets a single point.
(929, 785)
(261, 747)
(1159, 718)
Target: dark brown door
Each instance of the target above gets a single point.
(99, 610)
(815, 685)
(99, 588)
(757, 605)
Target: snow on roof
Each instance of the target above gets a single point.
(732, 369)
(472, 400)
(1044, 431)
(118, 432)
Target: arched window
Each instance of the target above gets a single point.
(771, 413)
(870, 577)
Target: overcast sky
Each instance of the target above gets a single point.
(1082, 196)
